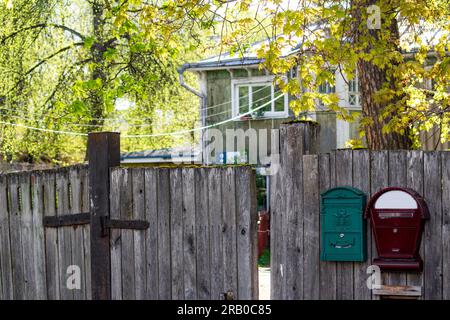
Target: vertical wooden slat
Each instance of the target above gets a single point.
(64, 233)
(229, 236)
(202, 227)
(446, 224)
(37, 187)
(397, 177)
(15, 237)
(176, 233)
(433, 227)
(247, 233)
(164, 254)
(51, 237)
(293, 150)
(5, 244)
(414, 180)
(151, 234)
(26, 230)
(116, 241)
(215, 231)
(344, 177)
(140, 270)
(311, 226)
(77, 234)
(189, 241)
(327, 290)
(361, 181)
(84, 175)
(127, 237)
(277, 213)
(379, 179)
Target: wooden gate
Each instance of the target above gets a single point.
(148, 233)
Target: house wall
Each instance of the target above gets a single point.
(334, 132)
(219, 108)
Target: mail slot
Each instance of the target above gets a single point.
(343, 225)
(397, 216)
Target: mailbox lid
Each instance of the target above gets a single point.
(421, 205)
(343, 195)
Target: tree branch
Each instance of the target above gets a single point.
(44, 25)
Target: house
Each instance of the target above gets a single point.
(231, 86)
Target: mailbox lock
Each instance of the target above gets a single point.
(341, 235)
(395, 230)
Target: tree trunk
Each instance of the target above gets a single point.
(97, 52)
(371, 79)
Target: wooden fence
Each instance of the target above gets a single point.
(140, 233)
(201, 242)
(297, 272)
(34, 259)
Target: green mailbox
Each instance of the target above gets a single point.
(343, 225)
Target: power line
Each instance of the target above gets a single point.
(144, 135)
(201, 128)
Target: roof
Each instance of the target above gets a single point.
(236, 60)
(180, 154)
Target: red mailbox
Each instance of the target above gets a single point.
(397, 216)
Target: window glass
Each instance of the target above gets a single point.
(243, 99)
(279, 103)
(262, 95)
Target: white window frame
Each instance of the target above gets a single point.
(257, 81)
(357, 105)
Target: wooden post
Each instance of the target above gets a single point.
(103, 153)
(287, 211)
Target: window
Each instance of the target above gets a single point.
(256, 92)
(353, 93)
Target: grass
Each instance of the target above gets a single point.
(264, 260)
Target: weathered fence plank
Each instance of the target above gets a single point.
(176, 233)
(379, 178)
(247, 234)
(361, 181)
(311, 225)
(215, 227)
(189, 240)
(203, 238)
(229, 231)
(77, 240)
(151, 234)
(5, 244)
(64, 233)
(344, 177)
(26, 231)
(37, 189)
(164, 252)
(138, 191)
(327, 290)
(433, 227)
(127, 237)
(115, 240)
(15, 236)
(84, 175)
(446, 224)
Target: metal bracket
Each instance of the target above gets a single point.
(67, 220)
(108, 223)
